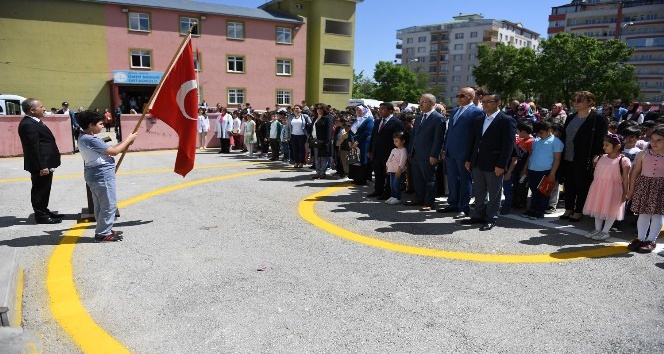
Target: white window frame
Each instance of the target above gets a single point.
(284, 97)
(138, 16)
(234, 59)
(286, 33)
(235, 95)
(188, 21)
(284, 67)
(141, 53)
(232, 29)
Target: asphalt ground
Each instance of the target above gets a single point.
(251, 256)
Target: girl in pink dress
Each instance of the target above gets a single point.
(647, 192)
(608, 192)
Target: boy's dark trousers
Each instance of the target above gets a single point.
(275, 145)
(520, 193)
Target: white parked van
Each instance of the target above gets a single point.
(10, 105)
(365, 101)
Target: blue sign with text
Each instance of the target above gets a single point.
(137, 77)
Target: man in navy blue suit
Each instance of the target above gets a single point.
(424, 150)
(456, 150)
(492, 144)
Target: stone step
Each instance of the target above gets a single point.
(19, 341)
(10, 288)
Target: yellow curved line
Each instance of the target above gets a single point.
(65, 303)
(306, 210)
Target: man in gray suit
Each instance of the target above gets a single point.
(424, 150)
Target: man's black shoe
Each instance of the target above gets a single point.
(447, 209)
(471, 221)
(383, 197)
(55, 215)
(488, 226)
(373, 194)
(48, 220)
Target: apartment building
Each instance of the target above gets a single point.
(104, 53)
(447, 51)
(640, 23)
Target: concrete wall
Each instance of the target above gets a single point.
(154, 134)
(10, 142)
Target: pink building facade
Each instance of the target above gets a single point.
(240, 59)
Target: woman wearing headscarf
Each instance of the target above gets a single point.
(583, 137)
(524, 111)
(297, 134)
(556, 114)
(321, 139)
(360, 133)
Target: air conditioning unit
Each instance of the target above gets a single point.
(299, 6)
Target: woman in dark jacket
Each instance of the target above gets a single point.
(321, 139)
(360, 135)
(583, 137)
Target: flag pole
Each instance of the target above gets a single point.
(147, 106)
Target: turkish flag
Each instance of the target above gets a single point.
(176, 103)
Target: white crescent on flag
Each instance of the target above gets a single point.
(182, 93)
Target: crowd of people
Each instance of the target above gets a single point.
(602, 161)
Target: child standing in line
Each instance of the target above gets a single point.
(396, 167)
(516, 189)
(203, 127)
(285, 144)
(647, 192)
(608, 191)
(250, 134)
(543, 162)
(99, 173)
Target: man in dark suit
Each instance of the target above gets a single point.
(381, 146)
(424, 149)
(492, 144)
(40, 157)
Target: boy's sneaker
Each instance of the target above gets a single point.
(112, 237)
(389, 200)
(601, 236)
(534, 216)
(550, 210)
(592, 234)
(394, 201)
(647, 247)
(634, 245)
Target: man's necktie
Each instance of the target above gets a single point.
(382, 124)
(424, 117)
(456, 115)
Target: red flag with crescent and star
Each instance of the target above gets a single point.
(176, 103)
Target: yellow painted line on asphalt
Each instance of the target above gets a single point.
(18, 302)
(306, 210)
(65, 302)
(135, 172)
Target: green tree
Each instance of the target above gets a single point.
(363, 87)
(505, 69)
(396, 83)
(568, 63)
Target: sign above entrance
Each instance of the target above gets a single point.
(137, 77)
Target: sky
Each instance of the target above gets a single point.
(377, 21)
